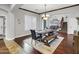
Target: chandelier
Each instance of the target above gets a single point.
(45, 16)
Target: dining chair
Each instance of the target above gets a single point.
(35, 36)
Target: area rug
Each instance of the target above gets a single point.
(41, 47)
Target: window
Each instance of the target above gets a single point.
(30, 22)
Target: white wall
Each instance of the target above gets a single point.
(10, 35)
(71, 14)
(9, 21)
(20, 17)
(13, 28)
(72, 25)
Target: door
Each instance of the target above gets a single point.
(1, 25)
(64, 27)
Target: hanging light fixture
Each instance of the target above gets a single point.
(45, 16)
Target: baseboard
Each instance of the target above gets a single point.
(24, 36)
(9, 38)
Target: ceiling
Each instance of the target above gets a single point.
(39, 8)
(7, 5)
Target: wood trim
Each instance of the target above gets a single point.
(28, 10)
(61, 8)
(50, 10)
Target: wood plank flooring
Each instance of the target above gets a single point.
(66, 46)
(3, 48)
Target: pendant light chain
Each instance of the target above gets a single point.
(45, 16)
(45, 10)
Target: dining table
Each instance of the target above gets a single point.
(47, 31)
(44, 31)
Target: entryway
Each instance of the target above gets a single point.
(2, 27)
(64, 28)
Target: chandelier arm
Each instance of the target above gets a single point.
(45, 10)
(45, 16)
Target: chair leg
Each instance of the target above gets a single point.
(40, 39)
(35, 42)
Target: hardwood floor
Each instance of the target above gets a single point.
(30, 49)
(66, 47)
(3, 48)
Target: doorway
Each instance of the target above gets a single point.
(2, 27)
(64, 27)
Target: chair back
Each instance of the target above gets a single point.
(33, 34)
(54, 27)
